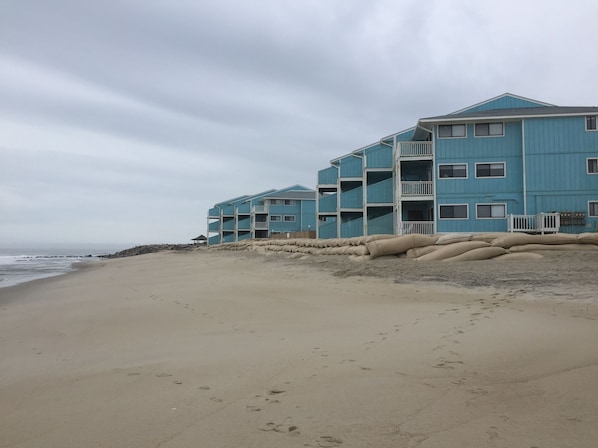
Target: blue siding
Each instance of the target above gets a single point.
(228, 210)
(244, 223)
(352, 198)
(328, 229)
(472, 150)
(504, 102)
(379, 156)
(328, 203)
(351, 166)
(228, 224)
(214, 226)
(244, 208)
(351, 226)
(381, 191)
(328, 176)
(380, 221)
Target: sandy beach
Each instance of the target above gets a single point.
(219, 349)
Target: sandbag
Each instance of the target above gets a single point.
(452, 250)
(488, 237)
(517, 239)
(587, 238)
(398, 245)
(519, 256)
(453, 238)
(481, 253)
(379, 237)
(566, 247)
(419, 251)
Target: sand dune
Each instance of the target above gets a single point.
(217, 349)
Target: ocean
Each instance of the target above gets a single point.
(19, 265)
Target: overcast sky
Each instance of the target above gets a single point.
(124, 121)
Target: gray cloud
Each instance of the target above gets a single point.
(124, 121)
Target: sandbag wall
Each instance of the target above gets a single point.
(448, 247)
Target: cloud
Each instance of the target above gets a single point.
(133, 117)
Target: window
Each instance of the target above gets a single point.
(591, 123)
(458, 170)
(289, 218)
(275, 218)
(453, 211)
(491, 211)
(289, 202)
(489, 129)
(593, 208)
(490, 169)
(451, 130)
(592, 166)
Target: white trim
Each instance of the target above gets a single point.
(491, 177)
(589, 214)
(289, 220)
(588, 165)
(460, 119)
(504, 204)
(453, 164)
(275, 220)
(454, 205)
(502, 134)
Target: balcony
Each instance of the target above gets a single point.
(259, 209)
(417, 189)
(260, 225)
(421, 150)
(411, 227)
(540, 223)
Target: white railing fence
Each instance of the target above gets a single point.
(411, 227)
(417, 188)
(540, 223)
(415, 149)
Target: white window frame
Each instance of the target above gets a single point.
(590, 209)
(452, 127)
(502, 130)
(588, 165)
(491, 204)
(290, 202)
(454, 205)
(275, 218)
(504, 164)
(294, 218)
(453, 177)
(275, 202)
(587, 119)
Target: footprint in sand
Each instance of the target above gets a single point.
(329, 441)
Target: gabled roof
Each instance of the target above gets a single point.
(504, 101)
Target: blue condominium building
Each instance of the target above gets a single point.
(508, 163)
(263, 215)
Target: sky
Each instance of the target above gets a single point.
(124, 121)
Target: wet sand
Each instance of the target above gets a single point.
(218, 349)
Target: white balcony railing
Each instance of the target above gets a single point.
(410, 227)
(414, 149)
(540, 223)
(417, 188)
(260, 225)
(259, 209)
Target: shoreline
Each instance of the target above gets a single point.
(246, 349)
